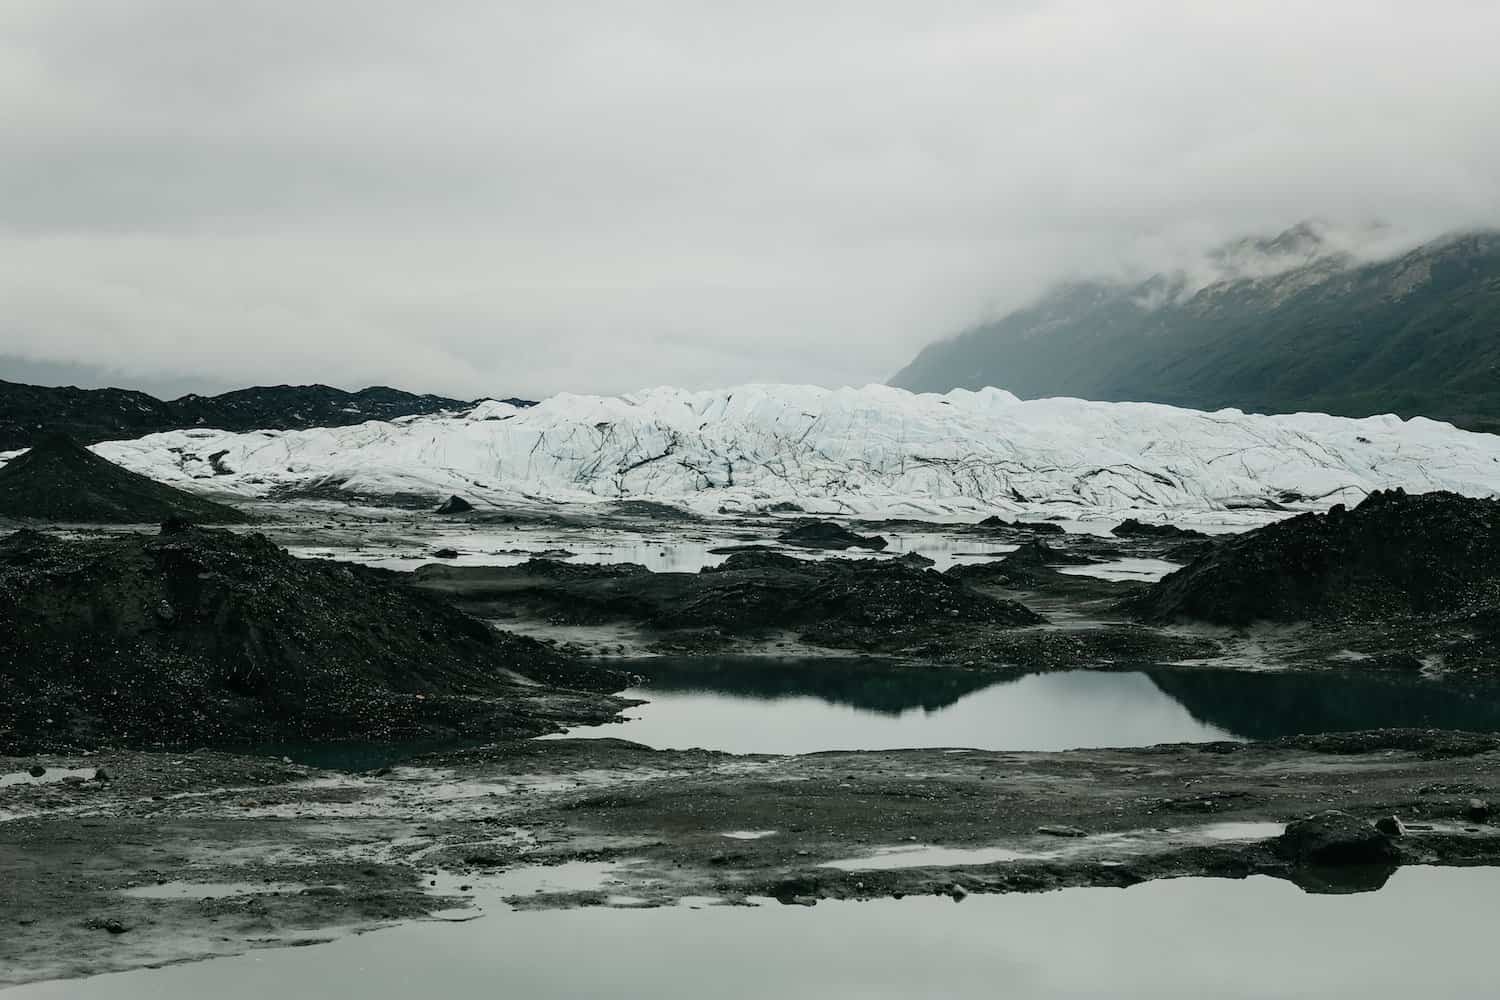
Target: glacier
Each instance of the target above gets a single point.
(874, 450)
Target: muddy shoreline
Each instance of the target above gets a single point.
(297, 855)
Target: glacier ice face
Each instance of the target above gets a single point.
(869, 450)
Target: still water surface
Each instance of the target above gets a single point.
(1427, 934)
(760, 706)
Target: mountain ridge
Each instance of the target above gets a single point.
(93, 415)
(1415, 334)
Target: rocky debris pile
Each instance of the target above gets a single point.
(201, 636)
(827, 535)
(1131, 528)
(843, 602)
(1031, 527)
(454, 505)
(1393, 555)
(60, 480)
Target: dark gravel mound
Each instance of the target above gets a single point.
(896, 595)
(201, 636)
(752, 592)
(1131, 528)
(759, 559)
(1022, 567)
(1393, 555)
(827, 535)
(60, 480)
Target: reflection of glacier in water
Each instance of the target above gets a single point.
(1056, 711)
(1174, 939)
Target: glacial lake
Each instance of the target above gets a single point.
(1428, 933)
(760, 706)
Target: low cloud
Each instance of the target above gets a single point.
(470, 198)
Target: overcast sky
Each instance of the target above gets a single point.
(501, 196)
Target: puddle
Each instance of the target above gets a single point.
(54, 775)
(1426, 934)
(1128, 569)
(1242, 831)
(1104, 846)
(925, 856)
(210, 890)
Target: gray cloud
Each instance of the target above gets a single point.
(471, 197)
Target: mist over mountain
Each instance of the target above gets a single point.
(1299, 321)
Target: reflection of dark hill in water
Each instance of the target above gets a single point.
(863, 685)
(1267, 706)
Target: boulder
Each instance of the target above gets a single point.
(1334, 838)
(455, 505)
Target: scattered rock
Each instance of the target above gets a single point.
(1478, 811)
(1334, 838)
(1391, 826)
(455, 505)
(110, 924)
(37, 771)
(916, 559)
(1061, 831)
(445, 553)
(957, 892)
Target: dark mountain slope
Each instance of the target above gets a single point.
(93, 415)
(1415, 335)
(60, 480)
